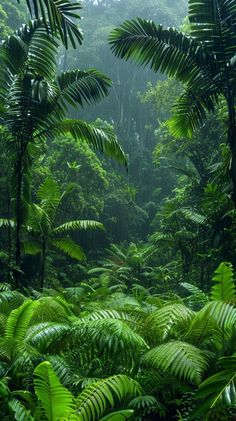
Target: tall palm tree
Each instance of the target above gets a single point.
(204, 62)
(34, 102)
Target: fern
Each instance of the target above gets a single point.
(95, 399)
(56, 401)
(221, 387)
(47, 335)
(19, 319)
(126, 414)
(111, 336)
(161, 324)
(224, 289)
(181, 359)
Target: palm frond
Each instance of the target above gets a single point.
(7, 222)
(32, 247)
(113, 337)
(99, 138)
(69, 247)
(160, 324)
(181, 359)
(219, 388)
(99, 396)
(147, 43)
(58, 17)
(78, 224)
(46, 336)
(82, 87)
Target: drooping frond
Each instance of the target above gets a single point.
(58, 17)
(165, 50)
(112, 336)
(160, 324)
(224, 288)
(82, 87)
(55, 399)
(47, 335)
(213, 22)
(190, 110)
(221, 387)
(31, 247)
(78, 225)
(99, 396)
(181, 359)
(69, 247)
(101, 139)
(7, 222)
(212, 325)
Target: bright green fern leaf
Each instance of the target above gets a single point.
(224, 289)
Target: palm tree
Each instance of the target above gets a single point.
(34, 102)
(58, 17)
(204, 62)
(45, 235)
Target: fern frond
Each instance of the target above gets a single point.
(19, 319)
(221, 387)
(99, 396)
(161, 324)
(181, 359)
(55, 399)
(224, 289)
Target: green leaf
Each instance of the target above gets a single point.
(78, 224)
(126, 414)
(101, 395)
(224, 289)
(19, 319)
(55, 399)
(70, 248)
(221, 387)
(181, 359)
(57, 17)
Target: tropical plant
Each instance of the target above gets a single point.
(34, 103)
(58, 18)
(44, 234)
(204, 61)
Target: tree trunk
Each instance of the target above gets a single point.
(19, 178)
(232, 143)
(42, 265)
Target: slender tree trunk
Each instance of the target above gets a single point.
(42, 265)
(19, 178)
(232, 143)
(9, 241)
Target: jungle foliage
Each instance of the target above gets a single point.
(118, 291)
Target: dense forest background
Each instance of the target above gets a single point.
(117, 238)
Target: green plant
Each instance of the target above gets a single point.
(41, 223)
(203, 61)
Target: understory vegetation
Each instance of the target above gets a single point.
(117, 210)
